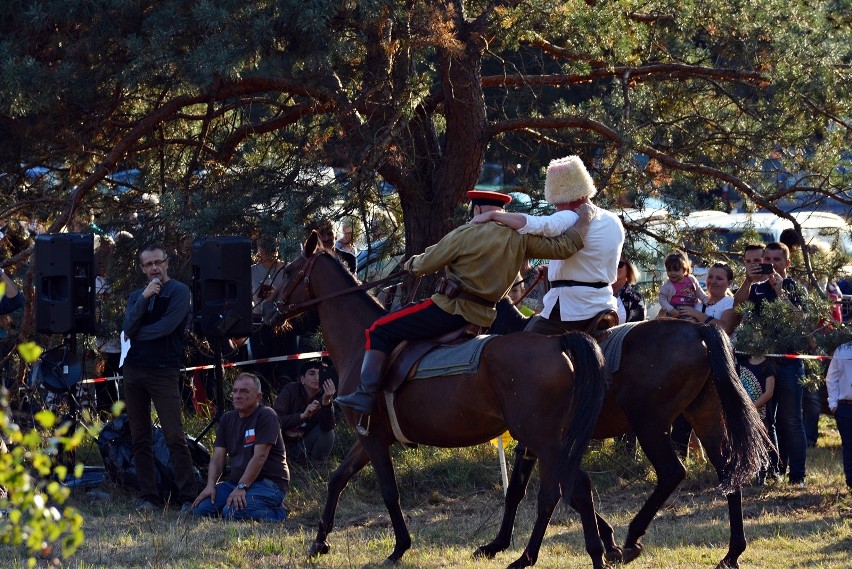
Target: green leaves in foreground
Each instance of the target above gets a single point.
(31, 493)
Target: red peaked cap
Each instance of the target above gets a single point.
(483, 197)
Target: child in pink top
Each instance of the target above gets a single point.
(682, 288)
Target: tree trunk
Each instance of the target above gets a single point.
(429, 204)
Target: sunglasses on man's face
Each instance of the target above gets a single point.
(621, 264)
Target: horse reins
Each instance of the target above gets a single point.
(304, 275)
(539, 277)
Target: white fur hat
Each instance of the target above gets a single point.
(567, 180)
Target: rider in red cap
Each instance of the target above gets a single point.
(480, 263)
(485, 197)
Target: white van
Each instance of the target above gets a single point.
(825, 228)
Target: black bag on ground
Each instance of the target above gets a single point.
(114, 443)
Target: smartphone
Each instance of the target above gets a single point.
(766, 269)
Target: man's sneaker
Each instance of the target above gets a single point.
(146, 506)
(186, 508)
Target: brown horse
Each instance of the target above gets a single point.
(551, 408)
(668, 367)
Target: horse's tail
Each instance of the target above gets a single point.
(589, 390)
(748, 442)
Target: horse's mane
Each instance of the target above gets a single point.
(342, 271)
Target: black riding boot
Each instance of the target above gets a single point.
(363, 399)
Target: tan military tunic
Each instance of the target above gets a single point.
(484, 259)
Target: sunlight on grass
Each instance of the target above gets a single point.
(452, 501)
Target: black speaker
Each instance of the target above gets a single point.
(65, 283)
(221, 286)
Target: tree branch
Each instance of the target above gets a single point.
(817, 109)
(644, 72)
(147, 124)
(613, 136)
(563, 53)
(229, 146)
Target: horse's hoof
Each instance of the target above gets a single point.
(631, 552)
(319, 548)
(396, 554)
(728, 564)
(615, 555)
(486, 551)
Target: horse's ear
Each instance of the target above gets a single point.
(311, 243)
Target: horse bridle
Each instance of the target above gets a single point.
(289, 310)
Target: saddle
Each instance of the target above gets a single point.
(405, 358)
(599, 324)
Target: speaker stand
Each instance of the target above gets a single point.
(69, 458)
(219, 387)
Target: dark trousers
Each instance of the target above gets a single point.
(315, 446)
(771, 409)
(788, 419)
(843, 416)
(772, 432)
(415, 322)
(142, 386)
(811, 410)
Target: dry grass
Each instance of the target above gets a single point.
(452, 500)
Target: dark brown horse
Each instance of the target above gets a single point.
(668, 368)
(551, 408)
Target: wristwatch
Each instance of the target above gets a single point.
(242, 486)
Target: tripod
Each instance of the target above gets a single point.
(58, 372)
(219, 389)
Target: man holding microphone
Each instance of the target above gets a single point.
(155, 322)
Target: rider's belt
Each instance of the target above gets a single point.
(452, 289)
(556, 284)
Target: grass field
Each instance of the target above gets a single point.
(452, 500)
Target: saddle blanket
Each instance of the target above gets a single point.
(458, 359)
(611, 348)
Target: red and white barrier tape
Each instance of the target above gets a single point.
(793, 356)
(310, 355)
(302, 356)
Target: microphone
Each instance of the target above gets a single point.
(153, 296)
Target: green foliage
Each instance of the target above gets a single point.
(32, 478)
(224, 106)
(781, 328)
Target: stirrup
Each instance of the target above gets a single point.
(361, 429)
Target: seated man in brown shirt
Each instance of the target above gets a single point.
(259, 478)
